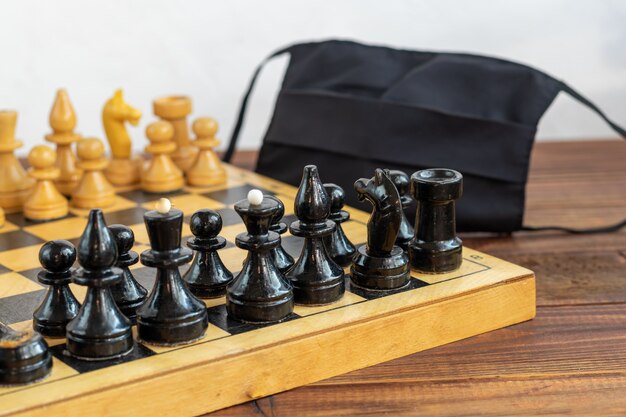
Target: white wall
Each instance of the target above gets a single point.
(209, 50)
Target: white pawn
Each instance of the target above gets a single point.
(162, 175)
(45, 202)
(94, 190)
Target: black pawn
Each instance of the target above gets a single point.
(315, 277)
(260, 293)
(338, 245)
(436, 247)
(128, 294)
(59, 305)
(282, 259)
(24, 357)
(380, 264)
(100, 330)
(171, 315)
(403, 185)
(207, 276)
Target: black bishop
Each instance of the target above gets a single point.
(315, 277)
(99, 330)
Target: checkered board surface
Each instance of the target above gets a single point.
(20, 293)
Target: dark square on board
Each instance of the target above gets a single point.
(31, 274)
(219, 317)
(125, 217)
(20, 307)
(141, 197)
(232, 195)
(18, 239)
(413, 284)
(292, 244)
(18, 219)
(229, 216)
(139, 352)
(145, 276)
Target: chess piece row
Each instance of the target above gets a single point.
(171, 314)
(89, 181)
(271, 281)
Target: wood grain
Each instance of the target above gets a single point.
(570, 360)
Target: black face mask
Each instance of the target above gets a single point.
(350, 108)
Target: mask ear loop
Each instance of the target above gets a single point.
(617, 128)
(587, 231)
(241, 115)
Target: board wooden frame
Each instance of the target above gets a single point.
(228, 370)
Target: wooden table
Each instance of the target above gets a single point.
(570, 360)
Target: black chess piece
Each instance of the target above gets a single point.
(282, 259)
(128, 293)
(380, 264)
(339, 247)
(59, 305)
(436, 247)
(403, 185)
(171, 315)
(24, 357)
(100, 330)
(259, 293)
(315, 277)
(207, 277)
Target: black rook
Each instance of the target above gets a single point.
(436, 247)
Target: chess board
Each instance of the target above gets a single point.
(238, 362)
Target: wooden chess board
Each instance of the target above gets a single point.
(238, 362)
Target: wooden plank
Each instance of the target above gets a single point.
(576, 277)
(547, 242)
(538, 366)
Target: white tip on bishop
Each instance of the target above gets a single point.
(255, 197)
(163, 206)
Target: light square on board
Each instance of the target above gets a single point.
(8, 227)
(27, 325)
(230, 232)
(120, 203)
(212, 302)
(68, 228)
(355, 231)
(213, 332)
(13, 283)
(347, 299)
(233, 258)
(468, 267)
(22, 258)
(59, 371)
